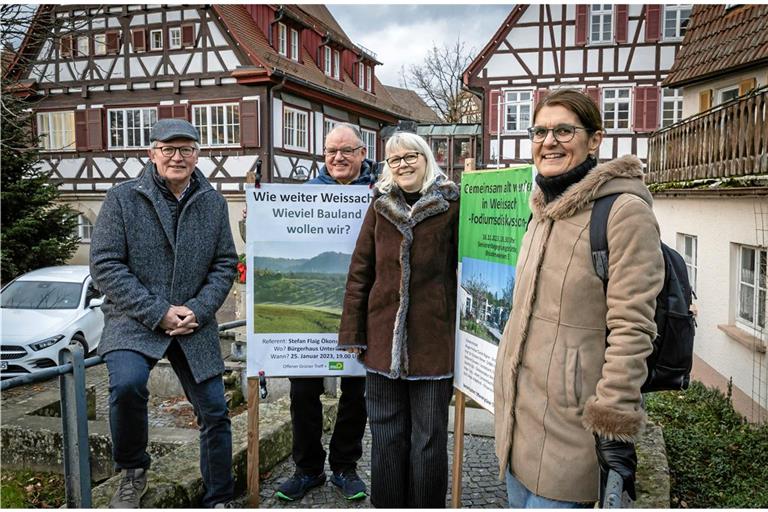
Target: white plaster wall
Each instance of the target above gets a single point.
(691, 94)
(718, 224)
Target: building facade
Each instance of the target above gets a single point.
(263, 83)
(709, 174)
(618, 54)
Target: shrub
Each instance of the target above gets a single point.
(716, 458)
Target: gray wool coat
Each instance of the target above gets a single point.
(143, 269)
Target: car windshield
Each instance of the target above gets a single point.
(41, 295)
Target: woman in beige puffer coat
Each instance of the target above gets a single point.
(564, 396)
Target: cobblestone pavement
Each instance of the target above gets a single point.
(480, 487)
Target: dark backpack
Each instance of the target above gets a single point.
(669, 365)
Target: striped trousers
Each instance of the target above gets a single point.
(409, 438)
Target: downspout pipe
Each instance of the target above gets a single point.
(271, 148)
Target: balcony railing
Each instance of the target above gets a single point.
(726, 141)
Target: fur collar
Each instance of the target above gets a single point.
(434, 201)
(583, 192)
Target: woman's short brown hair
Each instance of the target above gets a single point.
(577, 102)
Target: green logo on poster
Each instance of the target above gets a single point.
(335, 365)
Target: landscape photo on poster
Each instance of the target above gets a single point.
(298, 287)
(485, 297)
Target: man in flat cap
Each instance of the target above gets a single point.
(162, 253)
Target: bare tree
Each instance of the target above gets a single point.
(438, 81)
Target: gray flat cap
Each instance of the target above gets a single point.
(169, 129)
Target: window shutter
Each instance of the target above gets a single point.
(747, 85)
(179, 112)
(93, 121)
(622, 23)
(582, 22)
(652, 22)
(113, 42)
(165, 112)
(646, 117)
(493, 111)
(594, 93)
(66, 47)
(187, 36)
(705, 100)
(539, 95)
(139, 38)
(81, 131)
(249, 123)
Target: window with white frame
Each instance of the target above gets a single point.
(282, 40)
(727, 94)
(751, 309)
(616, 106)
(156, 40)
(671, 106)
(369, 78)
(130, 127)
(675, 19)
(82, 46)
(84, 228)
(219, 124)
(369, 141)
(328, 125)
(687, 245)
(295, 44)
(295, 129)
(56, 130)
(100, 44)
(361, 75)
(601, 23)
(328, 64)
(336, 65)
(517, 110)
(174, 38)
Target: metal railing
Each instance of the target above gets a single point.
(74, 416)
(728, 140)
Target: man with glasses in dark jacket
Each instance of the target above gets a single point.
(162, 253)
(345, 164)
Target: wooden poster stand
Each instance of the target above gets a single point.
(253, 443)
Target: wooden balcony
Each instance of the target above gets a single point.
(728, 140)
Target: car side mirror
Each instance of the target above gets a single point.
(96, 303)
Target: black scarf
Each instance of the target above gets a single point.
(553, 186)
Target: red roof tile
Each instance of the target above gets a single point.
(720, 41)
(254, 43)
(409, 99)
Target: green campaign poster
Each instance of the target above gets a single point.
(493, 219)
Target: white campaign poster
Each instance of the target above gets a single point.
(300, 240)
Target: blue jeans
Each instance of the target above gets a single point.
(518, 496)
(128, 422)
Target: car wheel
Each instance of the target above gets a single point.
(79, 339)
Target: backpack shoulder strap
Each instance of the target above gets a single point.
(598, 235)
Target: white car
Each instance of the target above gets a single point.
(45, 310)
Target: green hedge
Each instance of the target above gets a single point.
(716, 458)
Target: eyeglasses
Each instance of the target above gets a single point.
(561, 132)
(397, 161)
(344, 151)
(184, 151)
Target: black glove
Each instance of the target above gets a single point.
(619, 456)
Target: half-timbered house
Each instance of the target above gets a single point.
(261, 82)
(709, 176)
(618, 54)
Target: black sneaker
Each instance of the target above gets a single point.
(350, 484)
(297, 486)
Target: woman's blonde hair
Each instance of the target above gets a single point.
(409, 142)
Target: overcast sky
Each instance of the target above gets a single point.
(403, 34)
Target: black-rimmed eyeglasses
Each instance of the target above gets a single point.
(184, 151)
(561, 132)
(348, 151)
(397, 161)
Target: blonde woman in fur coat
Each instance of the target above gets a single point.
(399, 314)
(567, 401)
